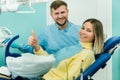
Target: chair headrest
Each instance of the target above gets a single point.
(111, 43)
(7, 51)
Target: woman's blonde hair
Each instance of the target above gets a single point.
(98, 42)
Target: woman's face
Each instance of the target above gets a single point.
(87, 33)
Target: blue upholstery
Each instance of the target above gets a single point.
(111, 42)
(7, 53)
(102, 58)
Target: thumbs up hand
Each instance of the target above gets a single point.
(33, 41)
(33, 33)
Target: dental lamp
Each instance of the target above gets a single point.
(13, 5)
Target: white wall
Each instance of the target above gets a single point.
(80, 10)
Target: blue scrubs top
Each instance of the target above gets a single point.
(52, 39)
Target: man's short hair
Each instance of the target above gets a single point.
(57, 3)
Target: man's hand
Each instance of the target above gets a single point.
(33, 41)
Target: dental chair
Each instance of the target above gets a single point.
(101, 60)
(110, 45)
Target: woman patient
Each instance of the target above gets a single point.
(91, 41)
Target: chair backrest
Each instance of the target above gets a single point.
(111, 43)
(102, 58)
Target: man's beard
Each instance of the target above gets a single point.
(62, 24)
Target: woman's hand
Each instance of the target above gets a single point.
(33, 41)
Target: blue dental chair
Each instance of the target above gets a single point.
(109, 47)
(101, 60)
